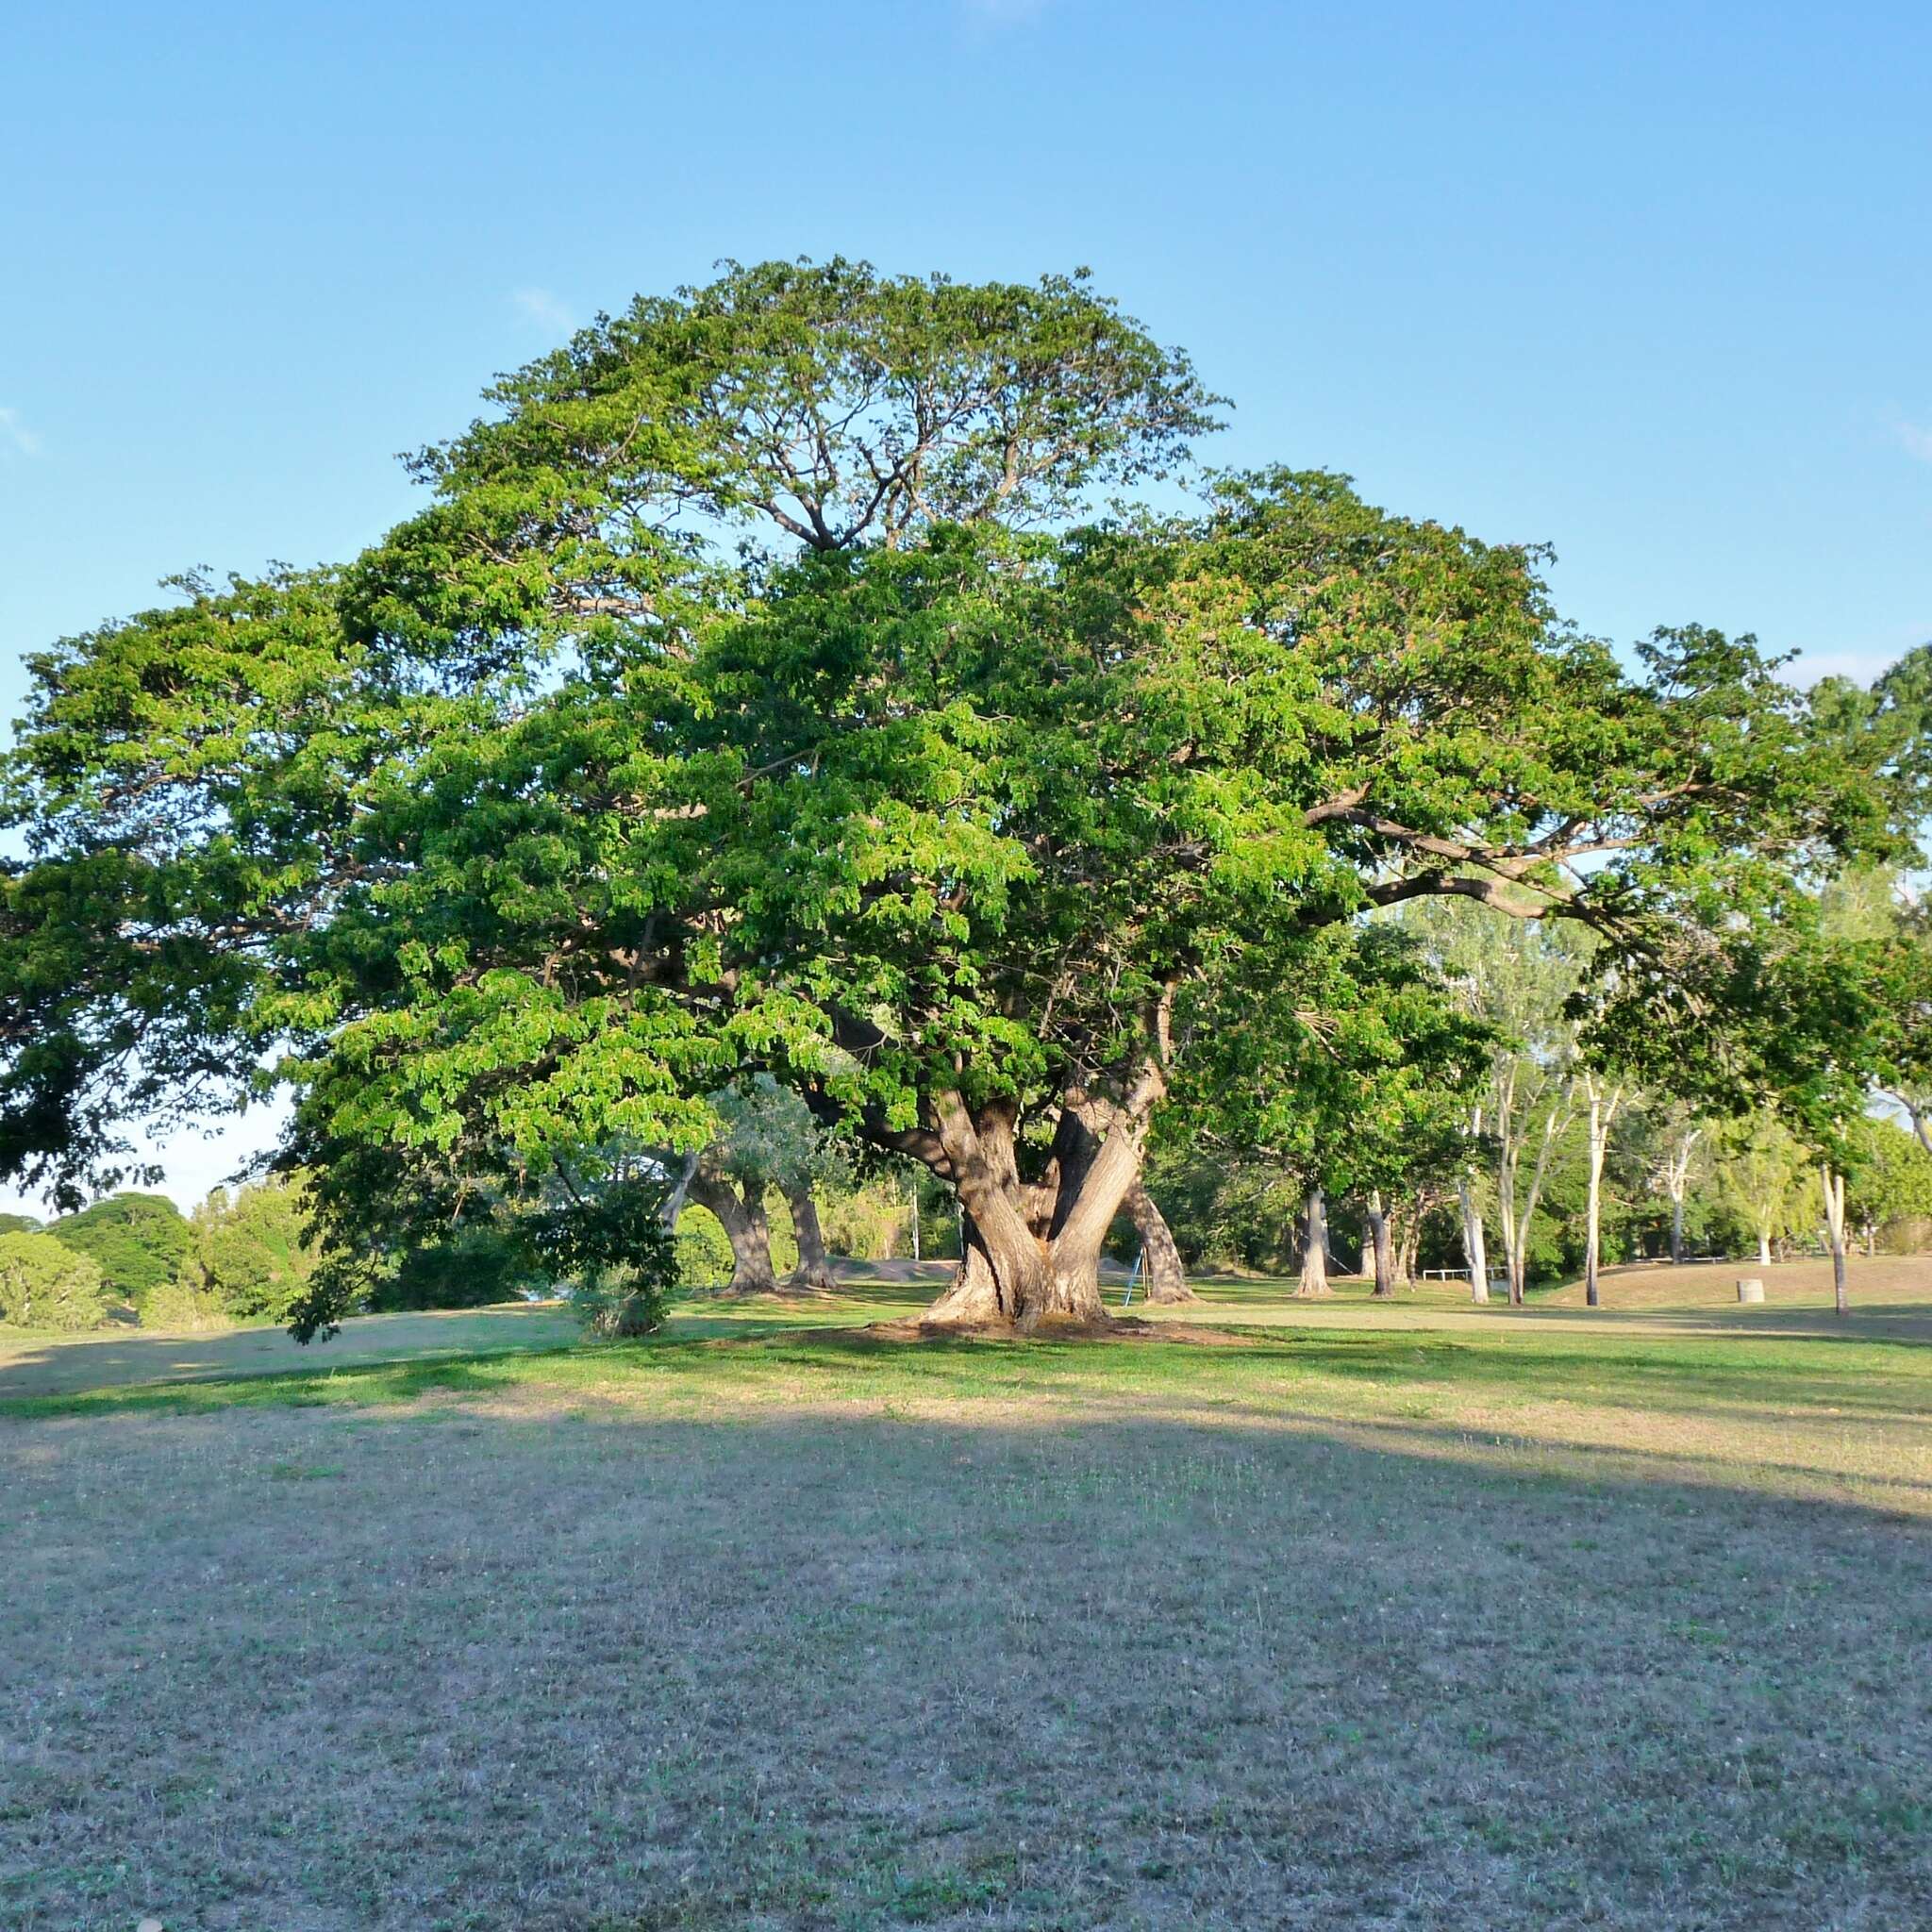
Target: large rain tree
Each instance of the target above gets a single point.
(759, 690)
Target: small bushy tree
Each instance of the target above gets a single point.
(251, 1253)
(46, 1284)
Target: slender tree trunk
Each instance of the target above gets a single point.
(1385, 1264)
(1603, 1113)
(1314, 1279)
(813, 1274)
(674, 1205)
(1764, 1247)
(1593, 1206)
(1474, 1246)
(1555, 1123)
(743, 1218)
(1835, 1230)
(1678, 1180)
(1409, 1251)
(1162, 1271)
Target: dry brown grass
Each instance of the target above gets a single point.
(1879, 1281)
(1346, 1625)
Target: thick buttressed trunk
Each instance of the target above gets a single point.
(1031, 1247)
(1315, 1246)
(743, 1218)
(1162, 1268)
(813, 1274)
(1384, 1247)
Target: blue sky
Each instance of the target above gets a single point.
(1653, 283)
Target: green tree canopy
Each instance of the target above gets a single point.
(250, 1252)
(138, 1240)
(760, 691)
(46, 1284)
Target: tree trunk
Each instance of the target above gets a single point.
(813, 1274)
(1164, 1278)
(1603, 1113)
(972, 1298)
(1033, 1249)
(1474, 1246)
(1314, 1279)
(1030, 1248)
(673, 1203)
(1385, 1260)
(1764, 1247)
(743, 1219)
(1835, 1230)
(1678, 1180)
(1409, 1249)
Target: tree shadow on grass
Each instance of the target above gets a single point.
(800, 1666)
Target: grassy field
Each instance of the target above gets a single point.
(1339, 1616)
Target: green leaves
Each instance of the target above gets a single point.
(747, 701)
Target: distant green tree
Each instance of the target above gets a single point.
(766, 1141)
(139, 1240)
(705, 1258)
(250, 1252)
(1759, 1178)
(19, 1224)
(46, 1284)
(1890, 1180)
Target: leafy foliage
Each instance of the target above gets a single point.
(759, 694)
(251, 1253)
(46, 1284)
(137, 1241)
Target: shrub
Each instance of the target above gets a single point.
(182, 1304)
(704, 1256)
(46, 1284)
(616, 1305)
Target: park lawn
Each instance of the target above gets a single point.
(35, 1363)
(1350, 1621)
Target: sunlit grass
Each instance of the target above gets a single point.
(1381, 1618)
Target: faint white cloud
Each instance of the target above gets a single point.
(1915, 439)
(1004, 12)
(16, 436)
(544, 309)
